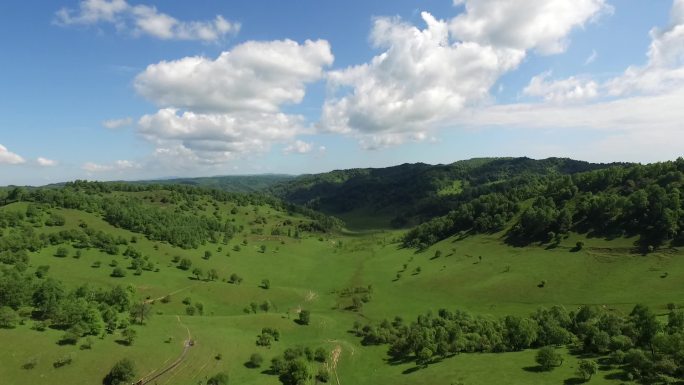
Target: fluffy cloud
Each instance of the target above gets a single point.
(119, 165)
(542, 25)
(254, 76)
(633, 114)
(8, 157)
(223, 108)
(572, 89)
(145, 20)
(113, 124)
(665, 67)
(216, 138)
(45, 162)
(425, 78)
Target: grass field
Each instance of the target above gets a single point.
(308, 274)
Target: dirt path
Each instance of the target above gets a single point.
(170, 294)
(187, 344)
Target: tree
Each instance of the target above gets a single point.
(141, 311)
(129, 335)
(296, 373)
(323, 374)
(218, 379)
(586, 369)
(424, 356)
(118, 272)
(8, 317)
(262, 248)
(207, 254)
(198, 273)
(255, 360)
(212, 274)
(320, 355)
(646, 326)
(520, 332)
(61, 252)
(304, 317)
(266, 284)
(548, 358)
(266, 306)
(123, 372)
(185, 264)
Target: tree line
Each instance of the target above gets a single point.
(644, 347)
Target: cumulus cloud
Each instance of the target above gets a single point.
(119, 165)
(298, 147)
(145, 20)
(572, 89)
(8, 157)
(425, 78)
(230, 106)
(113, 124)
(664, 69)
(635, 113)
(216, 138)
(542, 25)
(253, 76)
(45, 162)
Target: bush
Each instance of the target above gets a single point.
(304, 317)
(123, 372)
(255, 360)
(118, 272)
(548, 358)
(218, 379)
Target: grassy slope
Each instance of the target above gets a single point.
(304, 273)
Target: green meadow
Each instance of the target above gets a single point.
(478, 273)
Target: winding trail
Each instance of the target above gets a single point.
(187, 344)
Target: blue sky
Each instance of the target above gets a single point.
(127, 89)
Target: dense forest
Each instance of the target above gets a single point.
(629, 200)
(413, 193)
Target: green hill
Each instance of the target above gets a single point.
(268, 291)
(412, 193)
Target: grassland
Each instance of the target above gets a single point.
(309, 273)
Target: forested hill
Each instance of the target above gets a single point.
(643, 201)
(230, 183)
(409, 194)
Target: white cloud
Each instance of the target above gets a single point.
(665, 67)
(45, 162)
(145, 20)
(542, 25)
(216, 138)
(420, 80)
(637, 114)
(119, 165)
(113, 124)
(425, 77)
(571, 89)
(591, 58)
(231, 106)
(298, 147)
(254, 76)
(8, 157)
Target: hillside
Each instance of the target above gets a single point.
(268, 291)
(412, 193)
(230, 183)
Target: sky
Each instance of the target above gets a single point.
(129, 89)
